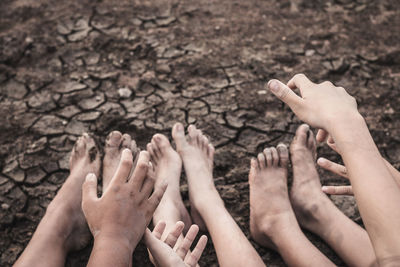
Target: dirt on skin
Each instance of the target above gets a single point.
(140, 66)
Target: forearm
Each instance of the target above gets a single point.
(110, 251)
(231, 245)
(370, 176)
(395, 173)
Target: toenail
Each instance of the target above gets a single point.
(179, 127)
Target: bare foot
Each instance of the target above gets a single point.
(270, 209)
(310, 204)
(197, 154)
(168, 166)
(66, 206)
(115, 144)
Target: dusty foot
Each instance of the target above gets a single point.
(168, 166)
(197, 154)
(310, 204)
(115, 144)
(270, 209)
(64, 212)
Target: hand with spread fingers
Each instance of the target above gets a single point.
(119, 218)
(163, 252)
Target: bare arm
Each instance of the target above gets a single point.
(331, 108)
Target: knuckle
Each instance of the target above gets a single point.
(299, 75)
(142, 166)
(126, 162)
(327, 83)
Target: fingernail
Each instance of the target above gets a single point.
(324, 188)
(321, 160)
(273, 86)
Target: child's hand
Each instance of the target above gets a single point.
(320, 105)
(163, 253)
(339, 170)
(126, 207)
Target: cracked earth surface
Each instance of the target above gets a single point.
(140, 66)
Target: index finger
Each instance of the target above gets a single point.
(300, 81)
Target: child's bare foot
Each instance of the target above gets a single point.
(168, 166)
(270, 209)
(65, 210)
(115, 144)
(197, 154)
(312, 207)
(63, 227)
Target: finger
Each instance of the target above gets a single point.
(174, 234)
(89, 188)
(285, 94)
(187, 241)
(301, 82)
(156, 197)
(148, 237)
(197, 251)
(322, 135)
(331, 143)
(147, 187)
(124, 168)
(338, 190)
(333, 167)
(159, 229)
(140, 171)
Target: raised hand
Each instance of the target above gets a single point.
(119, 218)
(163, 253)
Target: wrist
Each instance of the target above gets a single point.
(346, 123)
(117, 239)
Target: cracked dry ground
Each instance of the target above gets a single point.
(140, 66)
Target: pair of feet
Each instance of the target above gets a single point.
(273, 208)
(196, 153)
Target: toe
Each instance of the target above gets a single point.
(80, 146)
(268, 157)
(254, 165)
(88, 140)
(126, 141)
(204, 141)
(192, 131)
(210, 151)
(161, 141)
(300, 139)
(150, 150)
(283, 155)
(275, 157)
(114, 139)
(261, 160)
(156, 148)
(135, 151)
(311, 143)
(178, 134)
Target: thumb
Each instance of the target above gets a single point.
(89, 188)
(285, 94)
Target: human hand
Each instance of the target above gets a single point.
(163, 253)
(126, 207)
(320, 105)
(339, 170)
